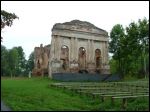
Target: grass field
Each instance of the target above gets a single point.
(23, 94)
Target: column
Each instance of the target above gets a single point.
(103, 51)
(56, 47)
(92, 51)
(76, 49)
(52, 51)
(59, 39)
(88, 51)
(52, 55)
(71, 49)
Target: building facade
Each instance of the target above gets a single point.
(78, 46)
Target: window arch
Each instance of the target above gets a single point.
(64, 57)
(98, 58)
(82, 58)
(38, 64)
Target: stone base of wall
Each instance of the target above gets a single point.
(84, 77)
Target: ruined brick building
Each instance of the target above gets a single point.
(41, 60)
(78, 46)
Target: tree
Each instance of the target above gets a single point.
(21, 61)
(144, 40)
(131, 49)
(13, 61)
(113, 66)
(7, 19)
(30, 63)
(138, 40)
(117, 36)
(133, 52)
(4, 61)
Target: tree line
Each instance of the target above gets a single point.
(13, 62)
(130, 49)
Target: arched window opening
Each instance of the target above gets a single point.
(98, 60)
(82, 59)
(38, 64)
(64, 57)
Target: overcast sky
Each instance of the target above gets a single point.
(36, 18)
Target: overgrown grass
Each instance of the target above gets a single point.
(34, 94)
(23, 94)
(134, 78)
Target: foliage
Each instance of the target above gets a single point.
(7, 19)
(13, 61)
(117, 38)
(30, 62)
(130, 48)
(4, 61)
(21, 61)
(113, 66)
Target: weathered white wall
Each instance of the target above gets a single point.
(74, 40)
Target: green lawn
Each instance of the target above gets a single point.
(34, 94)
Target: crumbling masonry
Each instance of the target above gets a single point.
(41, 60)
(78, 46)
